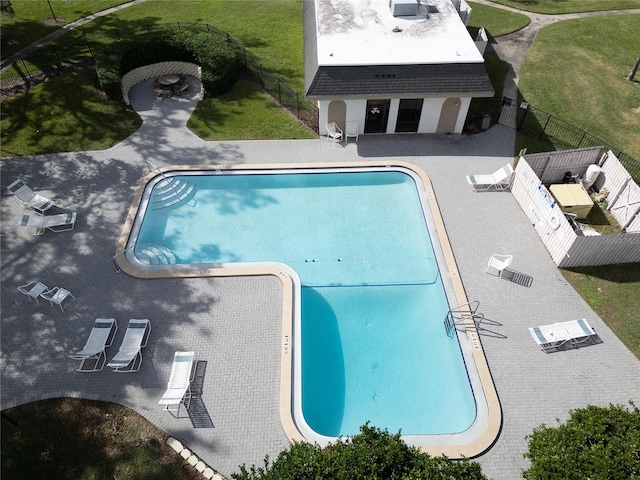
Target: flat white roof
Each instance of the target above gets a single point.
(361, 32)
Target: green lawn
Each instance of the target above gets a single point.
(569, 6)
(495, 21)
(614, 294)
(577, 70)
(245, 113)
(33, 19)
(65, 114)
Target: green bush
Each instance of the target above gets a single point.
(216, 58)
(373, 454)
(595, 443)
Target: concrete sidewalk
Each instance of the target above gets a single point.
(233, 324)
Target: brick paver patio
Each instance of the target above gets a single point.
(234, 323)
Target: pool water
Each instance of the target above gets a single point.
(372, 342)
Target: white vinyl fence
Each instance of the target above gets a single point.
(567, 247)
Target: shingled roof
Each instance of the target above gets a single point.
(450, 79)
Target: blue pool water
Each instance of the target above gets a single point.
(373, 346)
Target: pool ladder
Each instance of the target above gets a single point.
(465, 314)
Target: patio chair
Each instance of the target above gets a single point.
(33, 290)
(28, 198)
(499, 180)
(334, 131)
(62, 222)
(57, 295)
(129, 357)
(179, 385)
(498, 263)
(351, 131)
(101, 336)
(557, 334)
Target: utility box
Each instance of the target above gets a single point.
(485, 123)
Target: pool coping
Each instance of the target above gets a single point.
(474, 448)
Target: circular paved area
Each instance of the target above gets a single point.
(233, 323)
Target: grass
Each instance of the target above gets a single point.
(70, 438)
(33, 19)
(496, 22)
(245, 113)
(577, 70)
(569, 6)
(613, 292)
(65, 114)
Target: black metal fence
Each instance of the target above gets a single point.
(56, 59)
(556, 133)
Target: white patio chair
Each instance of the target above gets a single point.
(497, 264)
(129, 357)
(63, 222)
(333, 131)
(557, 334)
(179, 385)
(33, 290)
(28, 198)
(499, 180)
(101, 336)
(57, 295)
(351, 131)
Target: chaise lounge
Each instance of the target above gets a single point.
(179, 385)
(28, 198)
(101, 336)
(555, 335)
(63, 222)
(129, 357)
(498, 180)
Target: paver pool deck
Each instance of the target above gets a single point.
(234, 323)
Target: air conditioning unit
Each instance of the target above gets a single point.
(404, 8)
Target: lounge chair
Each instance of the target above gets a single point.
(557, 334)
(33, 290)
(129, 357)
(499, 180)
(28, 198)
(57, 295)
(62, 222)
(351, 131)
(101, 336)
(179, 385)
(498, 263)
(333, 131)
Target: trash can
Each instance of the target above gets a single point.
(485, 123)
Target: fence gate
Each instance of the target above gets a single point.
(626, 207)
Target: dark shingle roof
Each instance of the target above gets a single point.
(432, 80)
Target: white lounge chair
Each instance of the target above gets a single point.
(33, 290)
(57, 295)
(499, 180)
(333, 131)
(28, 198)
(557, 334)
(101, 336)
(351, 131)
(498, 263)
(129, 357)
(179, 385)
(62, 222)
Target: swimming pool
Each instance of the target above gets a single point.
(368, 336)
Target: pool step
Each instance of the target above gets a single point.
(155, 255)
(172, 191)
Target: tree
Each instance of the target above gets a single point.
(595, 443)
(634, 69)
(373, 454)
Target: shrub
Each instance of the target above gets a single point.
(372, 454)
(595, 443)
(216, 58)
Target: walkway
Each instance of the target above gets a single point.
(233, 323)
